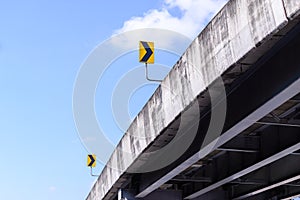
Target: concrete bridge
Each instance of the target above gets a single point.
(248, 59)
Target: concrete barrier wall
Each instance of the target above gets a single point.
(234, 36)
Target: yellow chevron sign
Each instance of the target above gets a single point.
(146, 52)
(91, 160)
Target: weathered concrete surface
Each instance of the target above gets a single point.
(238, 34)
(292, 8)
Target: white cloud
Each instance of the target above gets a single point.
(52, 188)
(192, 17)
(184, 19)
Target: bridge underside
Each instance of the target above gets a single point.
(259, 155)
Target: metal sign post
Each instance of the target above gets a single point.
(147, 56)
(91, 162)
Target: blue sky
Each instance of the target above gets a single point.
(42, 46)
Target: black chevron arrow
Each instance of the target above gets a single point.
(149, 52)
(92, 160)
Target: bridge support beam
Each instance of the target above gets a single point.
(158, 194)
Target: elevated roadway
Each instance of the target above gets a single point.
(248, 59)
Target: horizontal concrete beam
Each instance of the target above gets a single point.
(159, 194)
(282, 172)
(248, 170)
